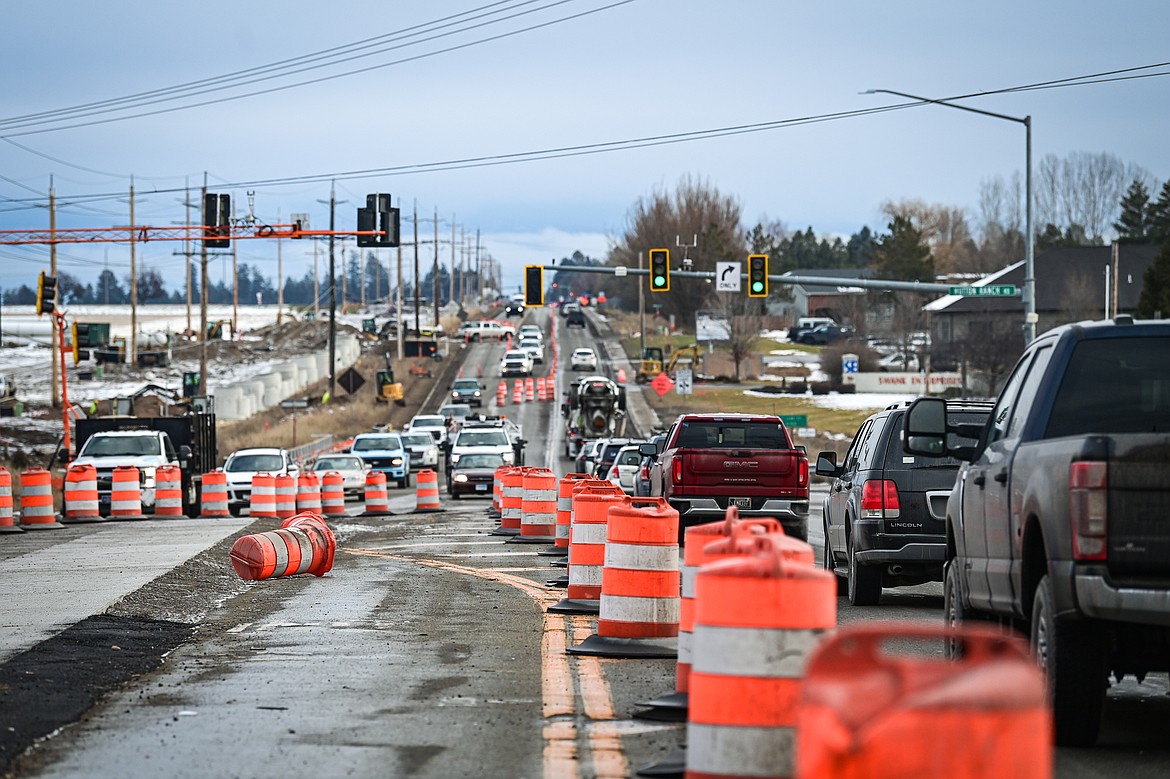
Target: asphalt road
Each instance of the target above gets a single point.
(132, 650)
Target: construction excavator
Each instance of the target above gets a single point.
(652, 362)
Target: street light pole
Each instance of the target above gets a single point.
(1030, 316)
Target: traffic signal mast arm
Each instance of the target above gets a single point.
(145, 234)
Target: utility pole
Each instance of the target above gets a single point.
(279, 276)
(399, 324)
(235, 279)
(53, 400)
(417, 299)
(332, 292)
(478, 276)
(451, 280)
(641, 310)
(203, 300)
(132, 343)
(436, 270)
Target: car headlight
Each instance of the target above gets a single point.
(461, 477)
(477, 393)
(509, 456)
(455, 458)
(396, 461)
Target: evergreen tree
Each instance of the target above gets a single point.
(109, 291)
(903, 254)
(859, 250)
(1158, 216)
(1132, 226)
(1155, 298)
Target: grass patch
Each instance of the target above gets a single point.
(712, 398)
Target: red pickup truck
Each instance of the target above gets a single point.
(709, 462)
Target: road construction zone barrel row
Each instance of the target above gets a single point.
(766, 681)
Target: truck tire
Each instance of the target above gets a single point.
(865, 581)
(830, 564)
(1073, 659)
(955, 611)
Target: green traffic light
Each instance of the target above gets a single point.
(659, 280)
(757, 286)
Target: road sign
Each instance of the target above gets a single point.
(294, 403)
(727, 276)
(794, 420)
(351, 380)
(684, 381)
(662, 384)
(990, 291)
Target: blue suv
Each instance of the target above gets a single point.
(384, 452)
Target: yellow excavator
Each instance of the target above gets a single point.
(652, 362)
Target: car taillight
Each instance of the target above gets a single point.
(879, 500)
(802, 473)
(1088, 509)
(644, 474)
(676, 471)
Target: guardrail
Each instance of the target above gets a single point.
(312, 449)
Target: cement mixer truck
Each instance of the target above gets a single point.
(595, 408)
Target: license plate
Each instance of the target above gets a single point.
(740, 503)
(103, 500)
(481, 488)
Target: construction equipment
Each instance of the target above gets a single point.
(652, 362)
(595, 408)
(389, 390)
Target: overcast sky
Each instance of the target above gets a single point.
(591, 72)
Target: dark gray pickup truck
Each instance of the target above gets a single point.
(1059, 520)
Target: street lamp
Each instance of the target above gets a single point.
(1030, 316)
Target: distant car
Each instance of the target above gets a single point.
(454, 413)
(534, 347)
(424, 451)
(575, 318)
(569, 308)
(583, 359)
(624, 468)
(435, 424)
(806, 324)
(514, 309)
(473, 474)
(243, 464)
(642, 477)
(469, 391)
(607, 453)
(516, 362)
(827, 334)
(384, 452)
(351, 467)
(586, 458)
(531, 331)
(899, 362)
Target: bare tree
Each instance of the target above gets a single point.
(1001, 223)
(1081, 193)
(745, 320)
(945, 230)
(1078, 299)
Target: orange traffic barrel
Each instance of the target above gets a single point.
(541, 392)
(538, 508)
(497, 490)
(511, 501)
(872, 706)
(564, 517)
(126, 493)
(502, 393)
(214, 495)
(377, 496)
(263, 499)
(308, 493)
(757, 619)
(7, 515)
(530, 389)
(81, 495)
(36, 500)
(640, 583)
(286, 495)
(427, 492)
(303, 544)
(168, 492)
(333, 494)
(587, 533)
(518, 392)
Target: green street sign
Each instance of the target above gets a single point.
(991, 291)
(794, 420)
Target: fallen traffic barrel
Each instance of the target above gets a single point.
(286, 495)
(427, 492)
(126, 493)
(376, 495)
(303, 544)
(640, 583)
(538, 507)
(168, 492)
(308, 493)
(262, 502)
(7, 515)
(587, 533)
(36, 500)
(757, 619)
(872, 705)
(214, 499)
(81, 495)
(333, 494)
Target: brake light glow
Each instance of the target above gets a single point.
(1088, 509)
(879, 500)
(676, 470)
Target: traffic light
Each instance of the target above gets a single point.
(379, 216)
(533, 285)
(46, 294)
(217, 221)
(660, 270)
(757, 276)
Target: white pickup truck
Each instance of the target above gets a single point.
(146, 450)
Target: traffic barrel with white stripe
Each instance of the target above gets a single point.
(376, 495)
(333, 494)
(560, 547)
(587, 534)
(541, 392)
(286, 495)
(7, 515)
(530, 389)
(640, 583)
(168, 492)
(426, 496)
(36, 500)
(538, 508)
(877, 701)
(502, 393)
(126, 493)
(308, 493)
(262, 502)
(498, 490)
(81, 495)
(758, 618)
(511, 501)
(303, 544)
(214, 495)
(517, 392)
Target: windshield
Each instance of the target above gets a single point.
(254, 462)
(338, 464)
(428, 422)
(418, 439)
(121, 446)
(482, 438)
(456, 411)
(479, 461)
(378, 443)
(465, 384)
(727, 435)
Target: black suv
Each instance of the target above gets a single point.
(885, 517)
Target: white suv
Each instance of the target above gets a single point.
(243, 464)
(583, 359)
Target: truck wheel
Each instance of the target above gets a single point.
(955, 612)
(1073, 659)
(404, 482)
(830, 564)
(865, 581)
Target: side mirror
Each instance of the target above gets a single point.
(648, 450)
(184, 452)
(62, 455)
(827, 465)
(926, 427)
